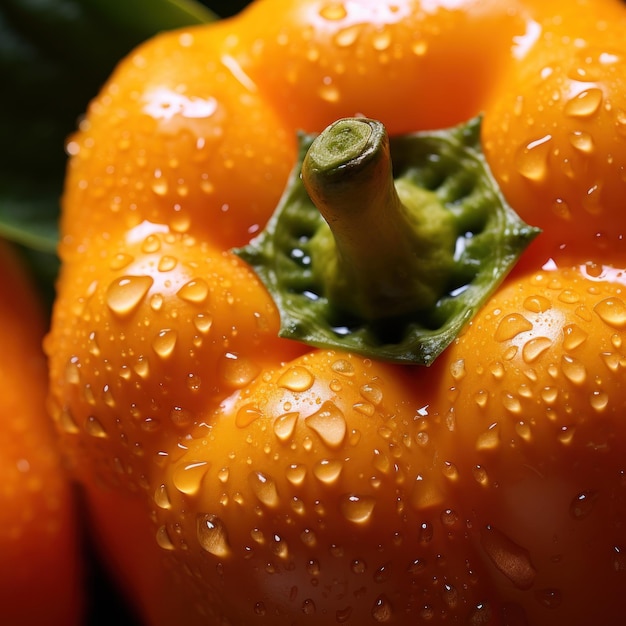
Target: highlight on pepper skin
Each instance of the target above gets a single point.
(234, 475)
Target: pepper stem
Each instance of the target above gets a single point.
(389, 246)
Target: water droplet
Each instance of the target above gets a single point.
(187, 477)
(151, 244)
(347, 36)
(537, 303)
(382, 611)
(264, 488)
(583, 142)
(167, 263)
(120, 261)
(72, 372)
(160, 186)
(381, 40)
(582, 505)
(573, 336)
(163, 539)
(511, 326)
(329, 423)
(94, 427)
(450, 471)
(165, 342)
(156, 301)
(531, 160)
(599, 400)
(308, 607)
(482, 615)
(358, 566)
(584, 104)
(246, 415)
(284, 425)
(142, 367)
(450, 596)
(125, 294)
(195, 291)
(67, 422)
(612, 311)
(333, 11)
(480, 475)
(212, 535)
(296, 378)
(511, 403)
(534, 348)
(509, 558)
(296, 474)
(356, 508)
(372, 393)
(329, 93)
(573, 369)
(419, 47)
(344, 367)
(259, 609)
(457, 369)
(327, 471)
(203, 322)
(237, 371)
(489, 439)
(523, 430)
(162, 498)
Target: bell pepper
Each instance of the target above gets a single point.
(41, 569)
(339, 326)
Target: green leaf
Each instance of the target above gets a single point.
(54, 57)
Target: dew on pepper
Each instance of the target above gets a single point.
(480, 475)
(327, 471)
(531, 159)
(162, 498)
(296, 473)
(489, 439)
(296, 378)
(612, 311)
(264, 488)
(236, 370)
(512, 325)
(212, 535)
(534, 348)
(329, 423)
(599, 400)
(187, 477)
(164, 342)
(585, 103)
(573, 369)
(94, 427)
(382, 611)
(124, 295)
(246, 415)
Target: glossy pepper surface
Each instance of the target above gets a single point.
(237, 476)
(40, 569)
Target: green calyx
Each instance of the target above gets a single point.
(386, 247)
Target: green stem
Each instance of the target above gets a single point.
(383, 258)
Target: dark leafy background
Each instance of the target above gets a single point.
(54, 56)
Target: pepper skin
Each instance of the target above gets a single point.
(236, 477)
(40, 569)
